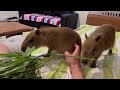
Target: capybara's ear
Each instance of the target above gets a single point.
(38, 32)
(98, 38)
(86, 36)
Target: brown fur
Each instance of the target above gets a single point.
(101, 39)
(55, 38)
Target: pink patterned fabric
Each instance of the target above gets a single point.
(42, 18)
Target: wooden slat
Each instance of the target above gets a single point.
(97, 20)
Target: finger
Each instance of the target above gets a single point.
(77, 49)
(67, 53)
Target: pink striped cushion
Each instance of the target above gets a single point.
(42, 18)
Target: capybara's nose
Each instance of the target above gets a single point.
(85, 62)
(23, 49)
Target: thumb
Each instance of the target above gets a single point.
(67, 53)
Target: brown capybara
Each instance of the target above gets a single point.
(101, 39)
(60, 39)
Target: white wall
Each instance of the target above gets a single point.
(82, 17)
(6, 14)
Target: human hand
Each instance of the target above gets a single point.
(74, 63)
(3, 49)
(71, 61)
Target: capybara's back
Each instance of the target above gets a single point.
(60, 39)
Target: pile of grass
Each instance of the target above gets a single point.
(21, 65)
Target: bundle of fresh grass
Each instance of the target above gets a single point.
(21, 65)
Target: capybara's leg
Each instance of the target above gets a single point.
(93, 65)
(110, 52)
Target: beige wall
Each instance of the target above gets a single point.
(6, 14)
(82, 17)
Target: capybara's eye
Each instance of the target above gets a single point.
(31, 40)
(94, 49)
